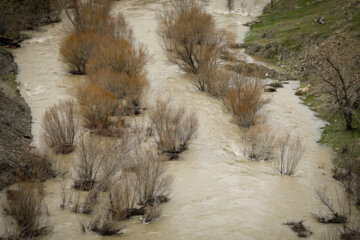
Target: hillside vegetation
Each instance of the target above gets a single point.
(292, 26)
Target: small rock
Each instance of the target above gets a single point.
(270, 89)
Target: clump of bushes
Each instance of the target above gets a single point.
(25, 206)
(103, 47)
(59, 125)
(96, 106)
(245, 101)
(34, 166)
(77, 48)
(173, 127)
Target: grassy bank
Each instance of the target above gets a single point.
(293, 26)
(290, 29)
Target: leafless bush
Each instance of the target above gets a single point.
(245, 100)
(120, 55)
(102, 223)
(25, 207)
(336, 213)
(77, 48)
(34, 165)
(289, 153)
(152, 213)
(60, 127)
(124, 198)
(96, 106)
(152, 180)
(190, 37)
(230, 5)
(173, 126)
(261, 143)
(129, 89)
(90, 156)
(99, 161)
(214, 81)
(300, 229)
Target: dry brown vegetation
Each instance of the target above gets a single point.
(289, 152)
(190, 37)
(35, 166)
(245, 100)
(96, 106)
(103, 47)
(59, 125)
(99, 161)
(76, 50)
(173, 127)
(25, 206)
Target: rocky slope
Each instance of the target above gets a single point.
(15, 119)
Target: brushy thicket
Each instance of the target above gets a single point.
(59, 125)
(103, 47)
(245, 100)
(174, 127)
(25, 206)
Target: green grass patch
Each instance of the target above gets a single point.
(334, 133)
(294, 25)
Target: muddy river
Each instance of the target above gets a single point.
(217, 193)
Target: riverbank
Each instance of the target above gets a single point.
(15, 119)
(286, 32)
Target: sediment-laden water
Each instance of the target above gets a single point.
(217, 193)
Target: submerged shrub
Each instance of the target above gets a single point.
(59, 126)
(245, 100)
(96, 106)
(289, 153)
(190, 37)
(173, 126)
(25, 206)
(77, 48)
(261, 143)
(120, 56)
(128, 89)
(34, 166)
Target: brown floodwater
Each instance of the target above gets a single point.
(217, 193)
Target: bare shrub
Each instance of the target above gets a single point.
(90, 156)
(190, 37)
(123, 198)
(261, 143)
(25, 206)
(245, 100)
(152, 213)
(152, 180)
(214, 81)
(336, 213)
(99, 161)
(128, 89)
(120, 56)
(173, 126)
(102, 223)
(87, 15)
(76, 50)
(300, 229)
(34, 166)
(289, 153)
(336, 61)
(59, 125)
(230, 5)
(96, 106)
